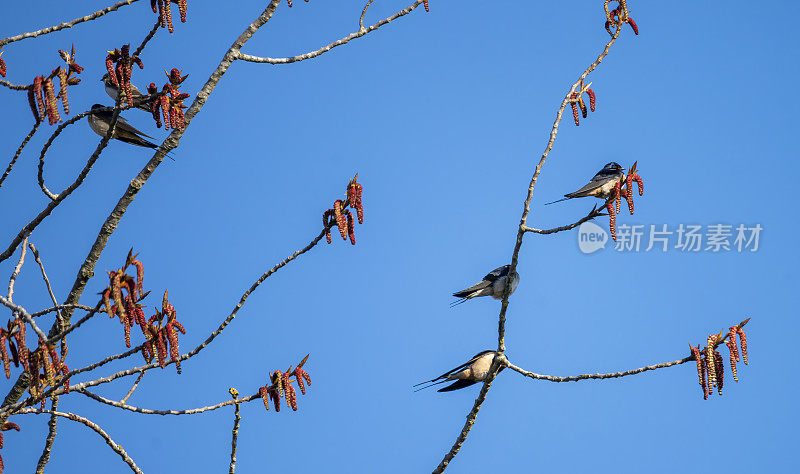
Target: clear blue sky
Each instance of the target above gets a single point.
(444, 116)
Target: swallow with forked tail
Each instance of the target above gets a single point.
(601, 185)
(469, 373)
(100, 120)
(493, 284)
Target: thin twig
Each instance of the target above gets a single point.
(19, 152)
(592, 214)
(363, 12)
(235, 432)
(575, 378)
(22, 312)
(133, 388)
(147, 39)
(16, 271)
(94, 426)
(473, 414)
(92, 312)
(68, 24)
(147, 411)
(46, 280)
(14, 87)
(60, 307)
(51, 437)
(325, 49)
(55, 134)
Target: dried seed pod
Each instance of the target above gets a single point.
(32, 104)
(110, 69)
(14, 353)
(612, 220)
(341, 222)
(22, 349)
(65, 379)
(264, 396)
(359, 205)
(63, 82)
(720, 371)
(182, 9)
(161, 348)
(633, 26)
(732, 357)
(4, 355)
(710, 362)
(592, 99)
(291, 397)
(37, 88)
(639, 184)
(168, 15)
(298, 375)
(575, 108)
(351, 229)
(628, 195)
(290, 394)
(139, 276)
(276, 400)
(277, 377)
(706, 388)
(743, 340)
(49, 370)
(732, 342)
(116, 292)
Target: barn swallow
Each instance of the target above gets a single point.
(99, 121)
(493, 284)
(469, 373)
(113, 92)
(601, 186)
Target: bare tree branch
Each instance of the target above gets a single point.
(86, 270)
(14, 87)
(26, 231)
(363, 13)
(133, 388)
(68, 24)
(52, 425)
(16, 271)
(575, 378)
(147, 411)
(19, 152)
(94, 426)
(235, 432)
(515, 255)
(46, 280)
(19, 310)
(473, 414)
(592, 214)
(325, 49)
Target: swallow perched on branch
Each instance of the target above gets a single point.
(100, 121)
(469, 373)
(601, 185)
(113, 91)
(493, 284)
